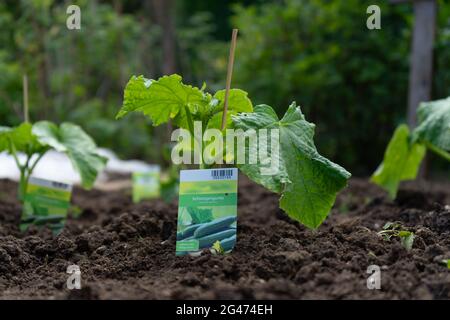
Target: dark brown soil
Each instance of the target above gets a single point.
(127, 251)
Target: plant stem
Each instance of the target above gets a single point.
(22, 179)
(189, 120)
(191, 130)
(28, 170)
(25, 173)
(23, 183)
(438, 151)
(36, 162)
(14, 154)
(190, 126)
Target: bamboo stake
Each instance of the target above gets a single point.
(229, 75)
(26, 115)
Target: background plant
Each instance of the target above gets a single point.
(306, 181)
(350, 80)
(33, 141)
(406, 149)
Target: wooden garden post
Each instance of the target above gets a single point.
(421, 60)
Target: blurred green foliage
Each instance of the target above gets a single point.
(74, 75)
(79, 75)
(350, 81)
(442, 52)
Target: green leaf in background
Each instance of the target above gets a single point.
(21, 139)
(434, 123)
(163, 99)
(401, 161)
(79, 147)
(4, 133)
(307, 181)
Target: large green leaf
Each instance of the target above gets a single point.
(163, 99)
(307, 181)
(79, 147)
(434, 126)
(401, 161)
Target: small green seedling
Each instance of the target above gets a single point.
(395, 229)
(46, 202)
(218, 247)
(34, 140)
(406, 149)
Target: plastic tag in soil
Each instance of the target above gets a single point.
(46, 203)
(207, 211)
(146, 185)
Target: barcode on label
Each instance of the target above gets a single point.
(60, 185)
(222, 174)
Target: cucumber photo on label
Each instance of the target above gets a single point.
(228, 243)
(214, 226)
(189, 231)
(208, 241)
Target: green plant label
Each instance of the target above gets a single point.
(207, 211)
(146, 185)
(46, 203)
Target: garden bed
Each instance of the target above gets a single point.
(127, 251)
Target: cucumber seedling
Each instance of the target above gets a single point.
(395, 229)
(307, 182)
(406, 149)
(217, 247)
(34, 140)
